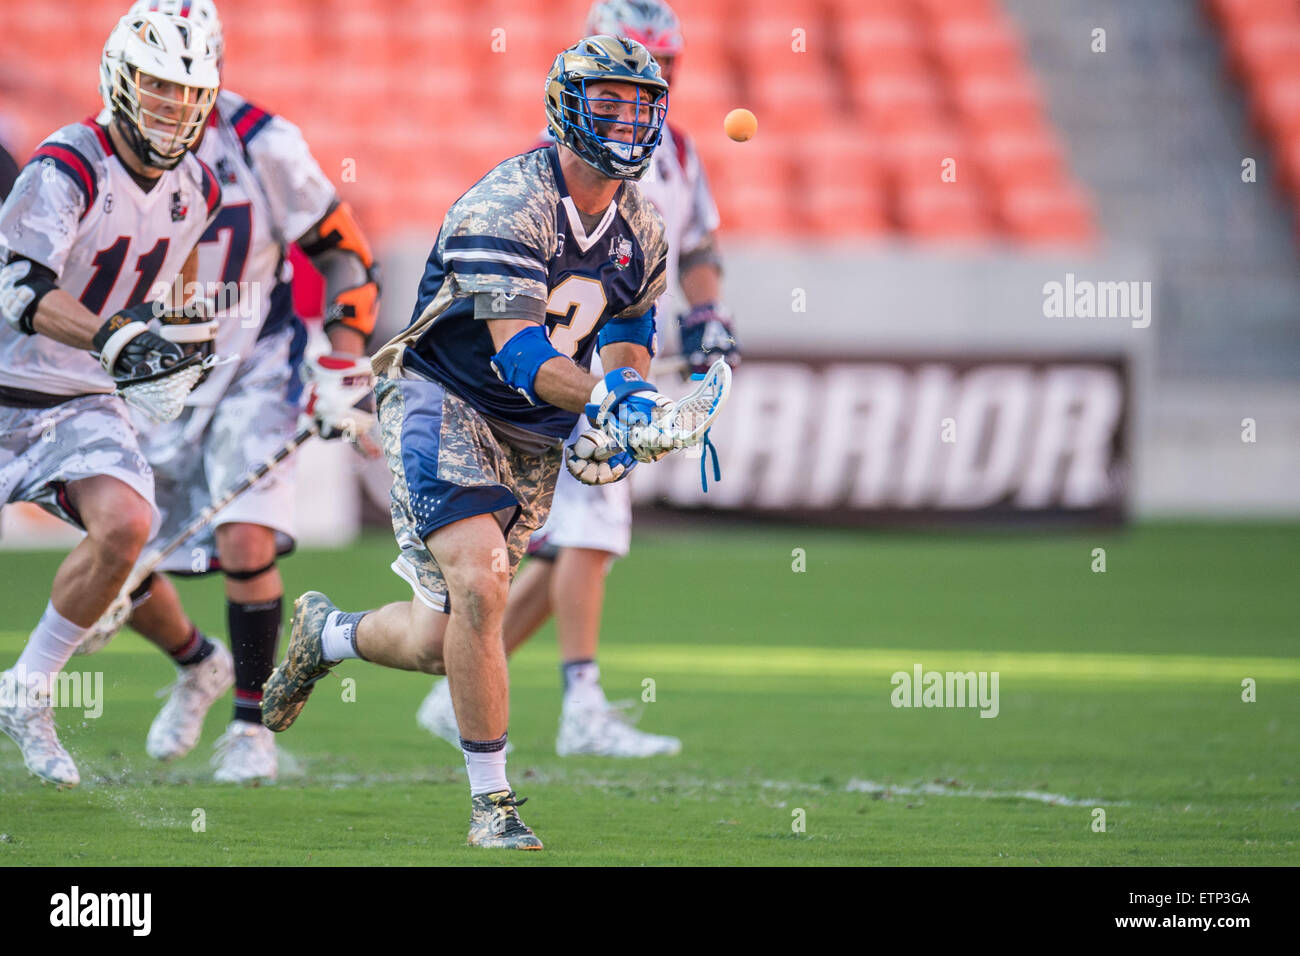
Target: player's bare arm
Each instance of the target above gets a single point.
(558, 381)
(64, 319)
(626, 355)
(702, 283)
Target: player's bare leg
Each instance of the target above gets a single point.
(588, 725)
(406, 636)
(578, 596)
(204, 669)
(529, 605)
(117, 522)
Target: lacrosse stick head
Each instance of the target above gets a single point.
(689, 419)
(161, 396)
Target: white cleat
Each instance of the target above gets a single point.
(177, 727)
(437, 715)
(28, 718)
(608, 732)
(246, 754)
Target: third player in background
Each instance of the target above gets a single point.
(590, 526)
(275, 195)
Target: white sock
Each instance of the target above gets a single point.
(487, 769)
(338, 640)
(582, 688)
(51, 644)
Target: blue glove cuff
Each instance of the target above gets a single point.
(612, 390)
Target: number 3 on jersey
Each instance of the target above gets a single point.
(579, 302)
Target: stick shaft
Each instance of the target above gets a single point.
(252, 477)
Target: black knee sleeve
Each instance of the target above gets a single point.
(247, 575)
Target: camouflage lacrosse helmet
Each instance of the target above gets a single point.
(606, 59)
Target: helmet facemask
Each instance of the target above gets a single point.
(161, 120)
(604, 126)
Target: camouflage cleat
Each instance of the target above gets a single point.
(287, 689)
(494, 822)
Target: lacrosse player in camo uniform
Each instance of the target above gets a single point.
(274, 194)
(591, 526)
(550, 257)
(102, 219)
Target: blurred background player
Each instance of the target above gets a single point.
(103, 211)
(548, 258)
(274, 194)
(590, 525)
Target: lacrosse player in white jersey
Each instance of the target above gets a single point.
(274, 194)
(591, 525)
(98, 227)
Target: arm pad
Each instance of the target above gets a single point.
(23, 283)
(338, 249)
(639, 331)
(520, 359)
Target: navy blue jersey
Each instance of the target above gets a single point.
(517, 232)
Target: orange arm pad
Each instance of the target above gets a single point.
(333, 240)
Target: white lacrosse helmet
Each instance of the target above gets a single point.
(202, 12)
(159, 80)
(651, 23)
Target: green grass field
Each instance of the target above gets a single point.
(1120, 690)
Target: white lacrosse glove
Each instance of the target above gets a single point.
(629, 410)
(155, 372)
(595, 459)
(339, 398)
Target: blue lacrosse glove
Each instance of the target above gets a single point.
(622, 404)
(706, 337)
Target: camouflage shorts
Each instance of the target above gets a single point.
(42, 450)
(447, 465)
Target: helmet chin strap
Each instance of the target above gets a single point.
(140, 146)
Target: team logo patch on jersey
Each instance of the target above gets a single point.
(179, 210)
(225, 173)
(620, 253)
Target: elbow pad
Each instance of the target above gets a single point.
(23, 283)
(520, 359)
(343, 257)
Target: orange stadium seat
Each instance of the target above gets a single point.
(1234, 13)
(976, 44)
(957, 9)
(898, 102)
(796, 101)
(851, 132)
(1046, 214)
(934, 210)
(1027, 156)
(1275, 107)
(880, 40)
(921, 155)
(752, 183)
(1262, 50)
(992, 101)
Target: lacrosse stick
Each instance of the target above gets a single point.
(112, 620)
(687, 422)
